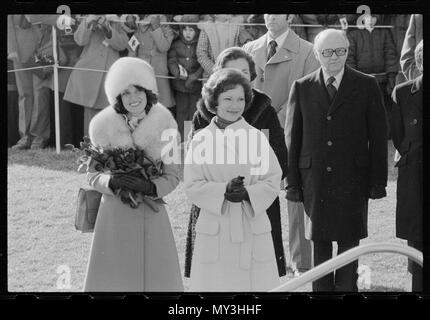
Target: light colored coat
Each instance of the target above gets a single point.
(132, 249)
(413, 36)
(292, 61)
(153, 48)
(85, 88)
(233, 247)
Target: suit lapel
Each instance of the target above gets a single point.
(344, 92)
(291, 44)
(260, 54)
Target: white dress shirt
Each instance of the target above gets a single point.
(279, 40)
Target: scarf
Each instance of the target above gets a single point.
(223, 123)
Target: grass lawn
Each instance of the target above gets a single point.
(42, 240)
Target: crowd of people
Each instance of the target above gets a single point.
(95, 42)
(330, 100)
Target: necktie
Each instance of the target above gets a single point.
(272, 49)
(331, 88)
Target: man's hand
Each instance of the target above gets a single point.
(294, 194)
(377, 192)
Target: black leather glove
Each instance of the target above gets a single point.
(236, 191)
(377, 192)
(237, 196)
(116, 182)
(139, 185)
(235, 184)
(294, 194)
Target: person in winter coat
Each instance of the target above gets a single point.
(102, 41)
(187, 87)
(281, 57)
(373, 51)
(23, 42)
(154, 43)
(215, 37)
(133, 249)
(406, 121)
(233, 247)
(338, 155)
(261, 115)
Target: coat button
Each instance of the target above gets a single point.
(329, 143)
(188, 59)
(328, 118)
(329, 169)
(414, 122)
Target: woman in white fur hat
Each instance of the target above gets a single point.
(133, 249)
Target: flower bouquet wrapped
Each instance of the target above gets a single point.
(130, 161)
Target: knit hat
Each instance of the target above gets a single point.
(129, 71)
(193, 19)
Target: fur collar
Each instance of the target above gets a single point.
(108, 129)
(259, 103)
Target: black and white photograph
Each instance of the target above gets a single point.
(235, 153)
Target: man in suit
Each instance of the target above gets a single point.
(22, 42)
(281, 57)
(338, 154)
(406, 120)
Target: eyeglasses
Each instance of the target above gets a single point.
(329, 52)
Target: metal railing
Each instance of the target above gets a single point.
(348, 257)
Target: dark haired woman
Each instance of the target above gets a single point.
(233, 175)
(261, 115)
(132, 249)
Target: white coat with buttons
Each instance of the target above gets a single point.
(233, 247)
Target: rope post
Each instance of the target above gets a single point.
(56, 92)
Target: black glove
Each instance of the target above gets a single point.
(294, 194)
(377, 192)
(235, 184)
(236, 191)
(116, 182)
(237, 196)
(139, 185)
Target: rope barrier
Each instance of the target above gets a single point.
(247, 24)
(105, 71)
(32, 68)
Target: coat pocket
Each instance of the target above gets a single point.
(305, 162)
(262, 244)
(207, 241)
(262, 247)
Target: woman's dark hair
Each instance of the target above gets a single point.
(221, 81)
(151, 99)
(234, 53)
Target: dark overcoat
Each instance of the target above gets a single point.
(338, 152)
(406, 127)
(260, 115)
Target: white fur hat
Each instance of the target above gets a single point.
(129, 71)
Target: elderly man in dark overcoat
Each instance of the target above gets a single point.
(338, 154)
(406, 120)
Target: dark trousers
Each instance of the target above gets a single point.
(415, 269)
(12, 118)
(185, 108)
(343, 279)
(71, 122)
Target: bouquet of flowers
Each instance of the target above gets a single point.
(133, 162)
